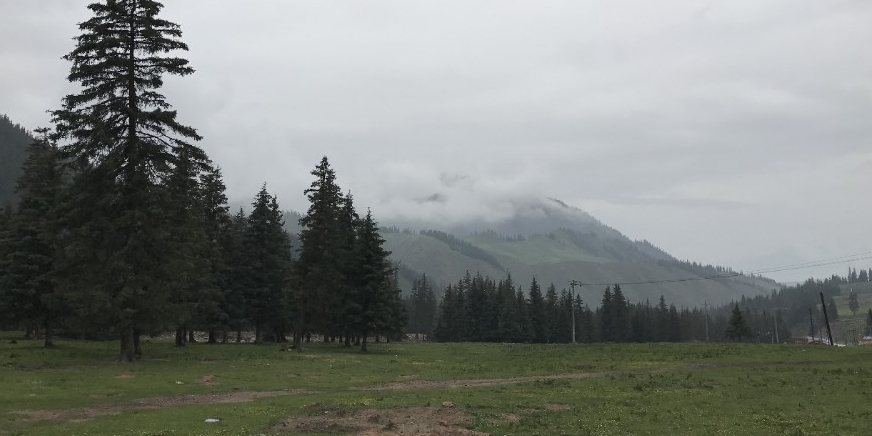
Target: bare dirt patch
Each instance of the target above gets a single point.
(552, 406)
(419, 421)
(512, 417)
(208, 380)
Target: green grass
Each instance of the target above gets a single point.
(640, 389)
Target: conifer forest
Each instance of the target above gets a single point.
(121, 230)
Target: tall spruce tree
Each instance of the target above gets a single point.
(29, 291)
(266, 247)
(374, 297)
(211, 311)
(537, 312)
(121, 136)
(319, 271)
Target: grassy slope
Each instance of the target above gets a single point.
(848, 323)
(648, 389)
(557, 260)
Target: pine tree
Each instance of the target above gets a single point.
(319, 269)
(267, 249)
(343, 306)
(552, 317)
(832, 310)
(123, 140)
(31, 250)
(869, 322)
(212, 299)
(235, 304)
(187, 244)
(605, 317)
(620, 320)
(853, 304)
(375, 297)
(421, 306)
(737, 329)
(537, 313)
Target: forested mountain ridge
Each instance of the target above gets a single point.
(13, 149)
(556, 243)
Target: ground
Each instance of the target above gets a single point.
(436, 389)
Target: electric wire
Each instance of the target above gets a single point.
(791, 267)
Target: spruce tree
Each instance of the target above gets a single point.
(853, 304)
(737, 329)
(869, 322)
(31, 250)
(374, 296)
(537, 313)
(266, 247)
(605, 317)
(619, 315)
(122, 138)
(319, 271)
(211, 311)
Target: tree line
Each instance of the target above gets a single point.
(479, 308)
(122, 226)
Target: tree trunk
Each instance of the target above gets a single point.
(256, 333)
(48, 340)
(180, 336)
(239, 336)
(191, 336)
(137, 349)
(363, 342)
(213, 337)
(126, 354)
(224, 336)
(347, 340)
(28, 332)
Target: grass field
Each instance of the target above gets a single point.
(497, 389)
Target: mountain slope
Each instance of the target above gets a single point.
(557, 243)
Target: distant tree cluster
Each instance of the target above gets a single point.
(479, 308)
(122, 226)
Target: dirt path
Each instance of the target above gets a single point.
(83, 413)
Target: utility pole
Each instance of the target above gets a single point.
(706, 321)
(572, 284)
(827, 320)
(775, 317)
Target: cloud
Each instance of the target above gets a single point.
(715, 131)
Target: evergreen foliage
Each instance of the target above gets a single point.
(122, 139)
(14, 141)
(738, 329)
(29, 291)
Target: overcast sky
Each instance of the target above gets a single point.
(735, 133)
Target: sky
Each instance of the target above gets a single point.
(732, 133)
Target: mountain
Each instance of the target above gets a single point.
(556, 243)
(14, 140)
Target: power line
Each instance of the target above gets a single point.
(791, 267)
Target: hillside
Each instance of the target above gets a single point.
(556, 243)
(13, 147)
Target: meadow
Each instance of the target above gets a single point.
(435, 389)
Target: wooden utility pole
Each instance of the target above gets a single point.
(573, 283)
(827, 320)
(706, 321)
